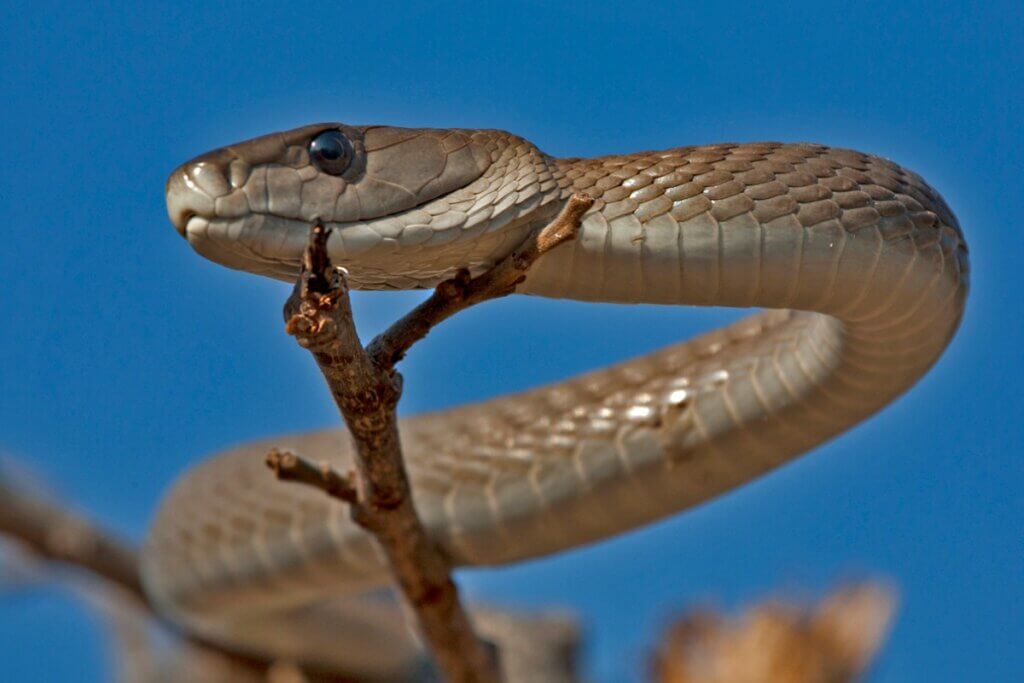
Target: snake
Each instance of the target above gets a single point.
(858, 267)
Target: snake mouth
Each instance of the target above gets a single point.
(257, 243)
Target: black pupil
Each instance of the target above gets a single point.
(329, 146)
(330, 150)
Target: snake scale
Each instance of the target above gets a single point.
(861, 266)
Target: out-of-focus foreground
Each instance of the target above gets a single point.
(832, 642)
(779, 641)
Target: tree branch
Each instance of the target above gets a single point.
(288, 466)
(366, 388)
(51, 532)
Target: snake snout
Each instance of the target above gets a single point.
(193, 189)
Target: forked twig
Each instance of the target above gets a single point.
(366, 389)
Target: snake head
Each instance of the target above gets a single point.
(391, 196)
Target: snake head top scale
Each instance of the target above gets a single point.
(396, 200)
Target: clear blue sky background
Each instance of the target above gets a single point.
(125, 357)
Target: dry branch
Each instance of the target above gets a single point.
(366, 389)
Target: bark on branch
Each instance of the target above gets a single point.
(366, 389)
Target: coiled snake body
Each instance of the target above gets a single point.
(862, 264)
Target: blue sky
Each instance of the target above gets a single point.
(126, 357)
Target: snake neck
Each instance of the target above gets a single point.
(473, 227)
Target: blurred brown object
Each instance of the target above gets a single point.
(533, 648)
(831, 642)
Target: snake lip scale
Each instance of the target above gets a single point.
(860, 265)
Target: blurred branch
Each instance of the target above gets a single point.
(45, 530)
(52, 532)
(366, 389)
(832, 642)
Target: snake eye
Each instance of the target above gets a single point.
(331, 152)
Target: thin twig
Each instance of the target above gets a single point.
(366, 389)
(288, 466)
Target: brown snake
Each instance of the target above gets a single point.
(863, 264)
